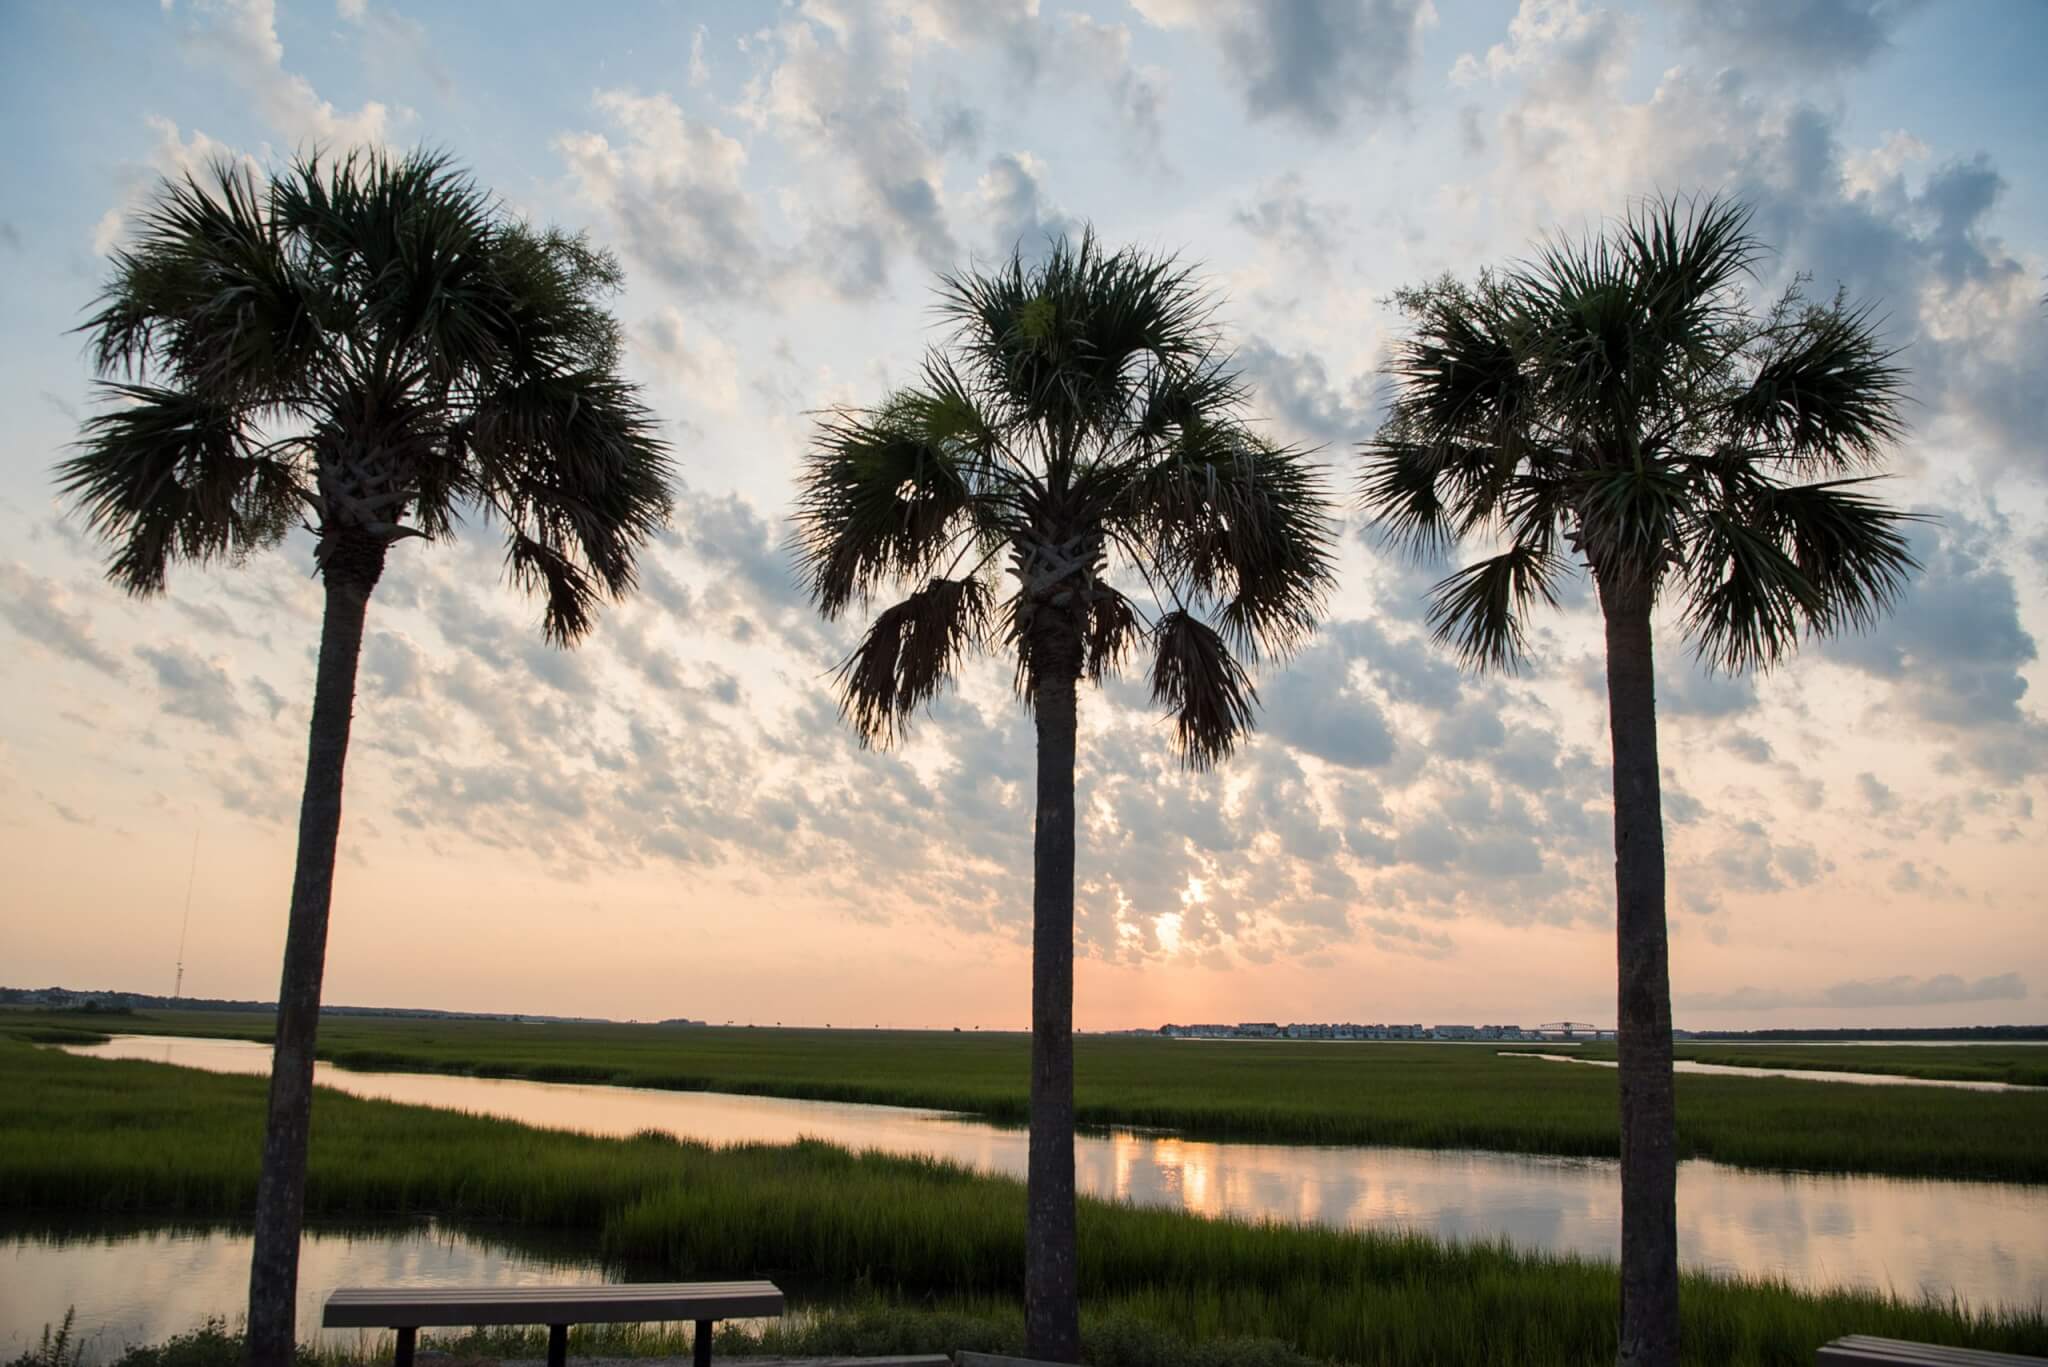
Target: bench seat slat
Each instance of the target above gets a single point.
(362, 1307)
(1864, 1350)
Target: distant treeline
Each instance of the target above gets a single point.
(1943, 1032)
(70, 999)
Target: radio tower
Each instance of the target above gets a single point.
(178, 990)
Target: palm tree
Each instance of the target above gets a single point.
(1619, 400)
(370, 347)
(1083, 423)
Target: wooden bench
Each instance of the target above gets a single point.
(408, 1309)
(1861, 1350)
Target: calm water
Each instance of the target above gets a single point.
(1986, 1242)
(1686, 1065)
(140, 1285)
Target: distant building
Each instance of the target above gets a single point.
(1348, 1030)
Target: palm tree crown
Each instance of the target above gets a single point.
(1084, 421)
(1619, 397)
(365, 345)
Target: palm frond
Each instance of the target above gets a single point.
(1479, 610)
(1684, 259)
(1398, 489)
(1747, 597)
(211, 294)
(1460, 375)
(1112, 628)
(1825, 391)
(1202, 685)
(1850, 548)
(1070, 341)
(574, 464)
(1232, 518)
(883, 496)
(1812, 558)
(569, 593)
(909, 654)
(168, 475)
(1628, 518)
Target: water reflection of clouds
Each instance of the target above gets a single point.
(1982, 1241)
(144, 1287)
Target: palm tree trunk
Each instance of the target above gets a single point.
(1649, 1140)
(1052, 1310)
(351, 573)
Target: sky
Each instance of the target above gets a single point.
(672, 820)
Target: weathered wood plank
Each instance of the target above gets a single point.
(1862, 1350)
(405, 1307)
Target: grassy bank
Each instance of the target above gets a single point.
(84, 1135)
(1421, 1095)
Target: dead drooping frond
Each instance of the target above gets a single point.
(374, 345)
(1202, 686)
(909, 654)
(1080, 442)
(1619, 397)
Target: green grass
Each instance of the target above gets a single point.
(140, 1139)
(1440, 1096)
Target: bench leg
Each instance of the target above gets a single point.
(700, 1345)
(408, 1339)
(558, 1345)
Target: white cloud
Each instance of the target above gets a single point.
(673, 191)
(240, 37)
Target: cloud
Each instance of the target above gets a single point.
(1914, 242)
(1944, 989)
(838, 96)
(39, 609)
(392, 665)
(1315, 63)
(1020, 216)
(1955, 653)
(172, 155)
(1282, 212)
(193, 687)
(1685, 689)
(1795, 36)
(673, 190)
(1561, 49)
(240, 37)
(1297, 390)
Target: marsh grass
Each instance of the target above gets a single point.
(1439, 1096)
(912, 1237)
